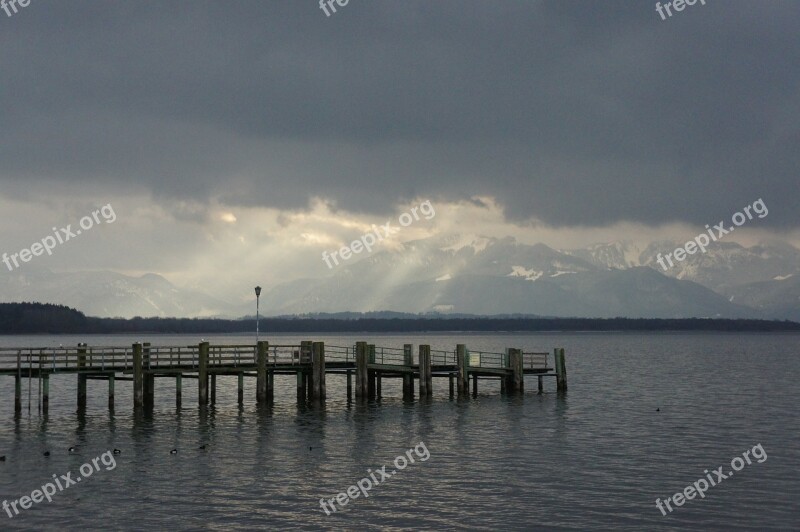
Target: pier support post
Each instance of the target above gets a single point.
(240, 388)
(270, 386)
(111, 384)
(515, 382)
(138, 400)
(213, 385)
(408, 377)
(18, 387)
(261, 372)
(561, 369)
(349, 385)
(452, 379)
(17, 393)
(474, 385)
(303, 376)
(45, 392)
(361, 370)
(425, 376)
(462, 378)
(318, 370)
(81, 376)
(149, 380)
(541, 384)
(202, 374)
(371, 373)
(301, 387)
(178, 389)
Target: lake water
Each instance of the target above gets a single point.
(595, 458)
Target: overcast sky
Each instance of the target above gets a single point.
(246, 137)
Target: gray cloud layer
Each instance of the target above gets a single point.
(573, 112)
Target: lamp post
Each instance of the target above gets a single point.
(258, 293)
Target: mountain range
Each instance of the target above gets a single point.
(464, 274)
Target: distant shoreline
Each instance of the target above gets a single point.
(38, 318)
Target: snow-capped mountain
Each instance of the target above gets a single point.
(472, 275)
(496, 276)
(746, 276)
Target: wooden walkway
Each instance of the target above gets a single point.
(309, 361)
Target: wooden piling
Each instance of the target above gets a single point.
(514, 381)
(202, 374)
(452, 379)
(45, 392)
(261, 372)
(561, 369)
(462, 378)
(148, 379)
(408, 377)
(18, 386)
(301, 387)
(304, 378)
(349, 385)
(541, 384)
(240, 388)
(213, 385)
(371, 374)
(111, 379)
(318, 370)
(361, 370)
(138, 399)
(178, 389)
(474, 385)
(425, 376)
(270, 386)
(81, 376)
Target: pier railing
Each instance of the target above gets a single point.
(291, 355)
(60, 358)
(485, 359)
(534, 360)
(338, 353)
(107, 358)
(389, 356)
(443, 358)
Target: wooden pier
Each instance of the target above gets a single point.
(310, 362)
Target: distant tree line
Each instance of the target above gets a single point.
(35, 318)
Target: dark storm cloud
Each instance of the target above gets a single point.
(578, 113)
